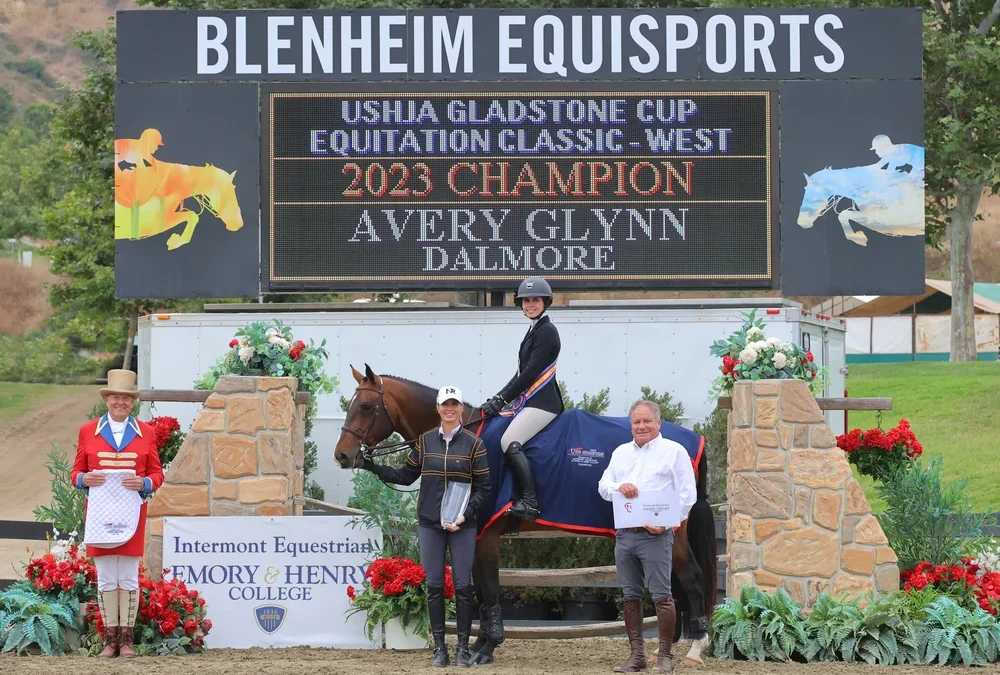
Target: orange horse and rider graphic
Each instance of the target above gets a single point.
(150, 193)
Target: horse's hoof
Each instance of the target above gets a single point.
(481, 659)
(688, 661)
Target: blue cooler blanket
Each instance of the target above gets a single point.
(568, 457)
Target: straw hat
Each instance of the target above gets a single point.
(121, 382)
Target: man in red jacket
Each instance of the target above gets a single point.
(119, 441)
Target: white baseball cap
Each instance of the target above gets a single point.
(447, 393)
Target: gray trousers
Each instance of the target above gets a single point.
(644, 560)
(433, 541)
(525, 425)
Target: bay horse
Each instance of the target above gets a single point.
(383, 404)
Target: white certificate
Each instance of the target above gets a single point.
(651, 507)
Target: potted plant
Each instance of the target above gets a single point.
(66, 576)
(168, 438)
(395, 597)
(878, 454)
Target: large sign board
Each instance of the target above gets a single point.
(476, 188)
(274, 581)
(602, 149)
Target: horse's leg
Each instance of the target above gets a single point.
(487, 571)
(176, 240)
(859, 238)
(693, 583)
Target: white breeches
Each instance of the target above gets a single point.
(117, 571)
(525, 425)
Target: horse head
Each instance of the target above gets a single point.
(226, 205)
(368, 421)
(815, 199)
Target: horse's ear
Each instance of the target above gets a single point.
(807, 176)
(233, 175)
(357, 376)
(369, 373)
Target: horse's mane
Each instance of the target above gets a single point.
(422, 389)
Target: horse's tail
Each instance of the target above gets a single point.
(701, 533)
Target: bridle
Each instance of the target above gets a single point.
(369, 452)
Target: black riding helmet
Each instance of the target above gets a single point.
(534, 287)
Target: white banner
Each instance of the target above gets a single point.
(274, 581)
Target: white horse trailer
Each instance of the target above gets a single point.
(618, 345)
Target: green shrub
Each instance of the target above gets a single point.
(26, 619)
(669, 410)
(952, 634)
(44, 358)
(65, 511)
(928, 520)
(758, 626)
(716, 433)
(597, 404)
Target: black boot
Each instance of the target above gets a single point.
(463, 625)
(525, 508)
(435, 612)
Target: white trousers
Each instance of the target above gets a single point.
(525, 425)
(117, 571)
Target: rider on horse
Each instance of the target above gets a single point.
(532, 395)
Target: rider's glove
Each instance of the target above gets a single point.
(493, 406)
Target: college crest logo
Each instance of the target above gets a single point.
(269, 617)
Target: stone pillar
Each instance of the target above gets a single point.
(797, 517)
(243, 457)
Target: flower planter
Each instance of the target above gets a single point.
(401, 638)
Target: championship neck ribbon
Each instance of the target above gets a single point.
(515, 406)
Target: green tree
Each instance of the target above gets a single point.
(82, 220)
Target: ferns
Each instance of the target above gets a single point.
(759, 626)
(897, 628)
(952, 634)
(26, 619)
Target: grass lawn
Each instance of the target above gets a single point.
(17, 398)
(954, 410)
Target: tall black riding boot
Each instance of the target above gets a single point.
(435, 612)
(525, 508)
(463, 625)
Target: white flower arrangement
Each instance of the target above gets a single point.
(988, 560)
(749, 355)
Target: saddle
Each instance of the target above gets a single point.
(112, 511)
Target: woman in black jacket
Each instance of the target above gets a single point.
(536, 381)
(447, 454)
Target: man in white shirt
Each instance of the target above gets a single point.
(643, 555)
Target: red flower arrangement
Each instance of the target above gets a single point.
(74, 574)
(169, 437)
(962, 581)
(171, 617)
(877, 453)
(396, 588)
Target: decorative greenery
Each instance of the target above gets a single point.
(747, 355)
(65, 573)
(171, 619)
(392, 511)
(27, 618)
(965, 583)
(396, 588)
(828, 626)
(952, 634)
(758, 626)
(878, 454)
(261, 348)
(881, 634)
(169, 437)
(927, 520)
(716, 433)
(66, 509)
(596, 405)
(669, 410)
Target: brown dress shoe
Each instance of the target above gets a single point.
(666, 618)
(125, 641)
(110, 643)
(633, 627)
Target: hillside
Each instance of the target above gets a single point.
(35, 52)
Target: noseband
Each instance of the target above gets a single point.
(366, 450)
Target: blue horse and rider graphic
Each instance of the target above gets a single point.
(885, 197)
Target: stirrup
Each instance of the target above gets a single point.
(523, 512)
